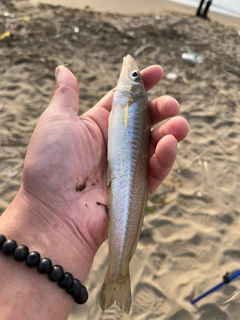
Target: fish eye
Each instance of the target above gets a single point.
(135, 74)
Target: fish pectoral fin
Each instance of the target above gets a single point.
(125, 116)
(119, 291)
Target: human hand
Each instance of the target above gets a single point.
(65, 169)
(66, 164)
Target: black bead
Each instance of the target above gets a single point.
(55, 273)
(44, 266)
(82, 296)
(75, 288)
(2, 240)
(66, 281)
(8, 247)
(32, 259)
(20, 253)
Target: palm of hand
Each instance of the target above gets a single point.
(65, 168)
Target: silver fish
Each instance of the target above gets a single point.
(128, 147)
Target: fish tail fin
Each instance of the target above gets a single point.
(118, 290)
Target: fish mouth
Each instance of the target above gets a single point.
(129, 64)
(125, 58)
(128, 57)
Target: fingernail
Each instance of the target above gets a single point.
(57, 72)
(57, 77)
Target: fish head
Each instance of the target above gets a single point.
(130, 81)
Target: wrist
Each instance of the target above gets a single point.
(30, 223)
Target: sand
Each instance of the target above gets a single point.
(190, 237)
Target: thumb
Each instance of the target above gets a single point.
(66, 94)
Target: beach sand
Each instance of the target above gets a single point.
(190, 237)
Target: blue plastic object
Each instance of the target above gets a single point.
(226, 279)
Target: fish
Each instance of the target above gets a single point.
(128, 151)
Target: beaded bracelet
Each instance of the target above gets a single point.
(55, 273)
